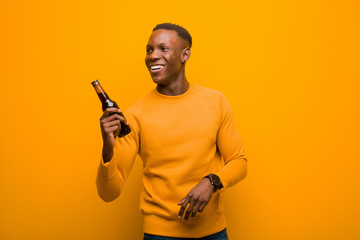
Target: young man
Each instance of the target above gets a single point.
(187, 139)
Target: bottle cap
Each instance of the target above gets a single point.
(95, 82)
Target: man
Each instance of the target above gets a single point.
(187, 139)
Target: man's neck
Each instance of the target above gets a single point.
(174, 88)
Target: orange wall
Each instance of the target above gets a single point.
(290, 70)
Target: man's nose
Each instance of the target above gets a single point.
(154, 55)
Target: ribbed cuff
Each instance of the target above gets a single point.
(108, 170)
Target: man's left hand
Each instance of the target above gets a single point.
(198, 198)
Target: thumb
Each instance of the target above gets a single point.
(181, 202)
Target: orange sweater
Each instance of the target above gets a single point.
(180, 139)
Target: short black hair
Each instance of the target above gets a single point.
(182, 32)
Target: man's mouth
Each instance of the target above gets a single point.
(156, 67)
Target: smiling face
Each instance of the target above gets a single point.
(166, 54)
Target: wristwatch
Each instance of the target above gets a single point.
(215, 181)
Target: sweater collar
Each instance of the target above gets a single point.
(175, 98)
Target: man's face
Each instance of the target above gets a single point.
(164, 53)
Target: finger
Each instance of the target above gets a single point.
(181, 202)
(183, 206)
(108, 111)
(196, 209)
(111, 130)
(202, 206)
(115, 116)
(190, 209)
(112, 123)
(118, 117)
(116, 133)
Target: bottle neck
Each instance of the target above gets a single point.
(100, 92)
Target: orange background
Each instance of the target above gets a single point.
(290, 70)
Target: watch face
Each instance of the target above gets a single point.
(216, 180)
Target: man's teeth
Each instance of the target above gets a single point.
(157, 67)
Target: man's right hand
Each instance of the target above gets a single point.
(110, 128)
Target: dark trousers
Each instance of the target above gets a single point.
(222, 235)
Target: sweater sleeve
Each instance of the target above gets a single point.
(231, 148)
(112, 175)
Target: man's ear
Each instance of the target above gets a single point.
(186, 55)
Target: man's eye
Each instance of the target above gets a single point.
(164, 48)
(148, 50)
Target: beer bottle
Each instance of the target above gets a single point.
(108, 103)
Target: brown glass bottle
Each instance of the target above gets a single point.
(108, 103)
